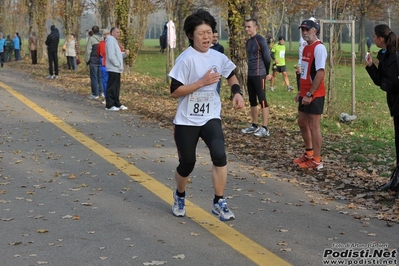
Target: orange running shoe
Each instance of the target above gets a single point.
(302, 159)
(311, 164)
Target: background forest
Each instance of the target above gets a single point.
(140, 19)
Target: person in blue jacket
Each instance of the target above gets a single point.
(17, 47)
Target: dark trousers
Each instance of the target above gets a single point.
(113, 90)
(2, 56)
(8, 55)
(53, 59)
(17, 53)
(71, 62)
(396, 129)
(33, 55)
(95, 80)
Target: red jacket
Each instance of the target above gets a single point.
(101, 52)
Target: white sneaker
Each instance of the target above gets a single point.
(250, 129)
(122, 107)
(271, 88)
(92, 97)
(263, 132)
(113, 108)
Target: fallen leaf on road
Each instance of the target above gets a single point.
(15, 243)
(155, 262)
(181, 257)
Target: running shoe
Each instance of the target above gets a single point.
(302, 159)
(122, 107)
(178, 208)
(311, 164)
(262, 132)
(251, 129)
(223, 211)
(113, 108)
(92, 97)
(271, 88)
(289, 88)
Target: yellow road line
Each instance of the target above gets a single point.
(221, 230)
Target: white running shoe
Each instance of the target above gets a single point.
(113, 108)
(178, 208)
(223, 211)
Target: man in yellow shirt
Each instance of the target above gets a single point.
(278, 59)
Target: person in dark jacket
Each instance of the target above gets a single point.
(9, 48)
(387, 73)
(92, 59)
(259, 59)
(52, 41)
(218, 47)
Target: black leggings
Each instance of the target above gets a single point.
(396, 128)
(186, 138)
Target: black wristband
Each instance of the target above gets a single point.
(236, 89)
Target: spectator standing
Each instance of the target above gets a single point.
(302, 44)
(163, 42)
(102, 55)
(93, 61)
(386, 74)
(194, 81)
(114, 64)
(17, 47)
(311, 96)
(218, 47)
(258, 71)
(9, 49)
(52, 42)
(278, 57)
(2, 50)
(33, 47)
(70, 51)
(77, 50)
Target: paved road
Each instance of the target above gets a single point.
(82, 186)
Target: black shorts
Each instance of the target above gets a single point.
(256, 91)
(316, 106)
(280, 69)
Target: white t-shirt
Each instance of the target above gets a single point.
(204, 104)
(302, 44)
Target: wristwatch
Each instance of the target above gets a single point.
(309, 94)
